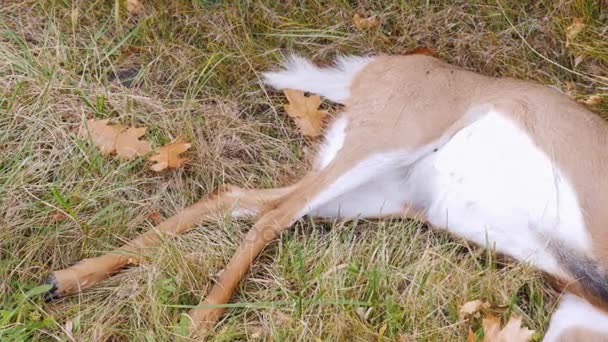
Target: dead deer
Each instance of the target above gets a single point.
(497, 161)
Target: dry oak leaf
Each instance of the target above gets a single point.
(365, 23)
(305, 112)
(168, 155)
(134, 7)
(592, 100)
(472, 307)
(573, 30)
(117, 138)
(511, 332)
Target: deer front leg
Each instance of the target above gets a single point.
(227, 200)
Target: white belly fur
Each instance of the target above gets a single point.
(492, 185)
(489, 184)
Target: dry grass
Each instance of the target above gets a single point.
(193, 66)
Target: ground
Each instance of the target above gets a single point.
(191, 68)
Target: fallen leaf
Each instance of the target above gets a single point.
(58, 216)
(573, 30)
(472, 307)
(156, 217)
(382, 331)
(305, 111)
(365, 23)
(168, 155)
(423, 50)
(592, 100)
(103, 135)
(134, 7)
(471, 337)
(117, 138)
(491, 328)
(128, 145)
(511, 332)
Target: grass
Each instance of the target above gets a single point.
(191, 68)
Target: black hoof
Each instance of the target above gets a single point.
(51, 294)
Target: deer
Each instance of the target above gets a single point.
(503, 163)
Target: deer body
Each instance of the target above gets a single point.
(507, 164)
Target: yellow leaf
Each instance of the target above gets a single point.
(134, 7)
(470, 308)
(511, 332)
(382, 331)
(592, 100)
(116, 138)
(573, 30)
(305, 112)
(168, 155)
(365, 23)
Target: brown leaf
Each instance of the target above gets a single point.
(117, 138)
(134, 7)
(103, 135)
(305, 112)
(592, 100)
(168, 155)
(365, 23)
(511, 332)
(491, 328)
(472, 307)
(471, 337)
(58, 216)
(128, 145)
(422, 50)
(573, 30)
(155, 217)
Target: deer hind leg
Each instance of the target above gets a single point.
(226, 201)
(577, 320)
(343, 175)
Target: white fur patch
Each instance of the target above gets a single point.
(333, 83)
(490, 184)
(332, 142)
(576, 312)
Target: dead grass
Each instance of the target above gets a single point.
(189, 68)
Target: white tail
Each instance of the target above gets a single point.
(332, 83)
(502, 162)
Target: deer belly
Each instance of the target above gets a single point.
(492, 185)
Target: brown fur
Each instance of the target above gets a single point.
(398, 103)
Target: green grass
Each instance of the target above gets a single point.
(194, 68)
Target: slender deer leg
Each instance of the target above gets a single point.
(313, 191)
(227, 200)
